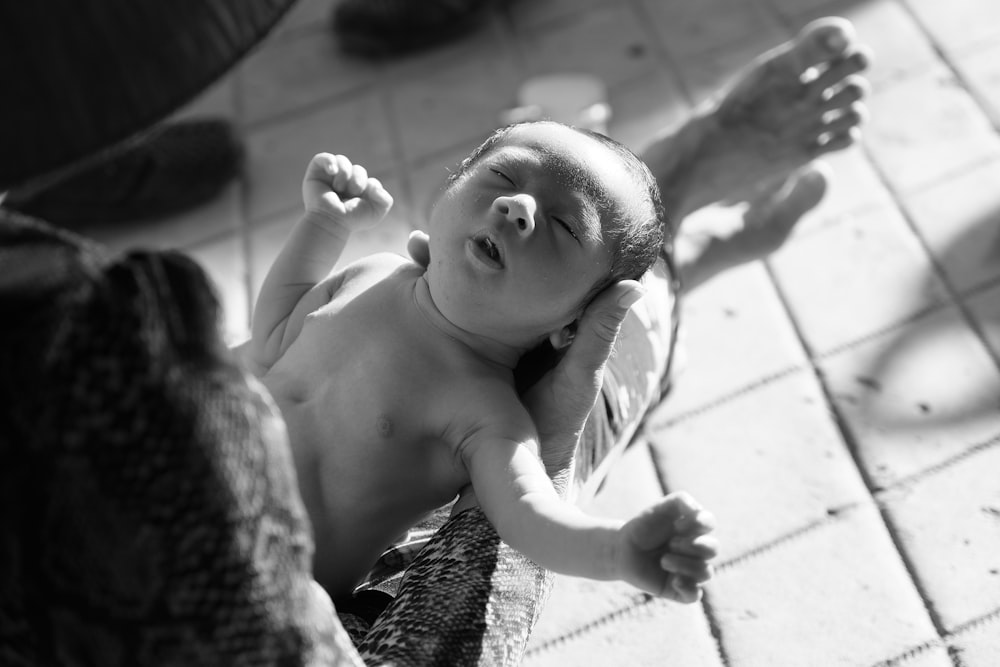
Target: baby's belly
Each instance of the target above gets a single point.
(366, 474)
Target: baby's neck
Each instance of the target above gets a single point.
(491, 349)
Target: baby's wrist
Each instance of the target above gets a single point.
(327, 222)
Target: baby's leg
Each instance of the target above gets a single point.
(766, 224)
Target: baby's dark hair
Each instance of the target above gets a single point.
(636, 243)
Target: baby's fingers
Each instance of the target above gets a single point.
(675, 514)
(697, 522)
(322, 167)
(695, 569)
(696, 546)
(379, 198)
(684, 589)
(342, 174)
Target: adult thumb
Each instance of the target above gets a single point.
(598, 330)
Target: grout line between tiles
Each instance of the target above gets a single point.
(635, 603)
(813, 357)
(948, 641)
(938, 269)
(852, 449)
(711, 619)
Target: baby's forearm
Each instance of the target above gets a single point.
(310, 252)
(560, 537)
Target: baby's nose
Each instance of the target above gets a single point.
(520, 210)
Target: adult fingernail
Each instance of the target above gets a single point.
(630, 297)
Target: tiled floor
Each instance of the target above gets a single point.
(839, 409)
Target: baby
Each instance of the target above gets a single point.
(396, 382)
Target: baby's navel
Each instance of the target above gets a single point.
(383, 425)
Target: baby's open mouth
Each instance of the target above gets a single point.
(489, 249)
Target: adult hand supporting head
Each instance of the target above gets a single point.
(561, 400)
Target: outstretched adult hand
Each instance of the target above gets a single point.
(561, 400)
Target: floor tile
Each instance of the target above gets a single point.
(916, 397)
(452, 105)
(958, 25)
(959, 219)
(896, 40)
(854, 186)
(948, 525)
(692, 28)
(631, 485)
(299, 72)
(777, 446)
(734, 333)
(981, 69)
(841, 591)
(980, 646)
(984, 308)
(704, 74)
(641, 110)
(925, 128)
(278, 153)
(657, 633)
(855, 278)
(608, 42)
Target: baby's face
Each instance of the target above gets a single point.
(517, 243)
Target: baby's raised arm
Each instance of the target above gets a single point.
(664, 550)
(339, 198)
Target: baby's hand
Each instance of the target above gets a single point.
(665, 549)
(343, 192)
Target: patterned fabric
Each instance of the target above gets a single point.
(150, 513)
(468, 599)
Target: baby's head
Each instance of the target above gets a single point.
(538, 220)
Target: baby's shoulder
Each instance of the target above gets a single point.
(381, 264)
(482, 399)
(371, 270)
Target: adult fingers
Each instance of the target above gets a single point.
(596, 334)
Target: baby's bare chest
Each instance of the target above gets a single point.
(364, 390)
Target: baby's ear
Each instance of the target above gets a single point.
(563, 337)
(418, 245)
